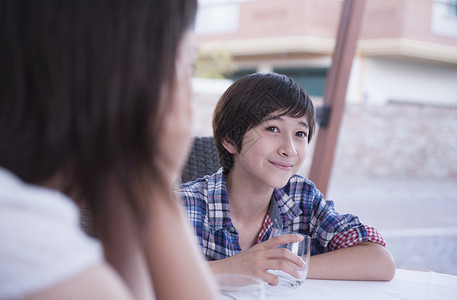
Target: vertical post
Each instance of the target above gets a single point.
(335, 92)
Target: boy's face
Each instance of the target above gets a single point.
(273, 151)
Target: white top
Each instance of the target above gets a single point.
(41, 242)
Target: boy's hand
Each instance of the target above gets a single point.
(257, 260)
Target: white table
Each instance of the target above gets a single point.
(411, 285)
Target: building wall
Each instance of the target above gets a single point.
(382, 19)
(401, 55)
(398, 141)
(378, 80)
(270, 18)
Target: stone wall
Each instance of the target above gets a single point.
(397, 141)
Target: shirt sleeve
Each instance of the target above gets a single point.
(354, 236)
(195, 209)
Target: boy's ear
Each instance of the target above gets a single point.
(229, 145)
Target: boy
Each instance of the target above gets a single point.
(262, 126)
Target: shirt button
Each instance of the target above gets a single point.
(232, 229)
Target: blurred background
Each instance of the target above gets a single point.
(396, 159)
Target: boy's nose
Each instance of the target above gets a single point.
(287, 147)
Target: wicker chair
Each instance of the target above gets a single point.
(203, 159)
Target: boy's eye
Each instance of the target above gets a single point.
(301, 134)
(272, 129)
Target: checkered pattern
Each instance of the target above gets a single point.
(297, 207)
(351, 237)
(267, 224)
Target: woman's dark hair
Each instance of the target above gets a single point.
(249, 100)
(80, 85)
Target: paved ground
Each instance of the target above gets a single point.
(417, 219)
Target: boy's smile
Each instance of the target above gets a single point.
(283, 166)
(272, 151)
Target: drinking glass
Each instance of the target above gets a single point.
(240, 287)
(302, 249)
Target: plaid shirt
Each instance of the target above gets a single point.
(297, 207)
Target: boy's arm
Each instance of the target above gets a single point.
(364, 261)
(352, 250)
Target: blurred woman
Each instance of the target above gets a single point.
(95, 112)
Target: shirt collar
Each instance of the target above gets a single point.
(283, 208)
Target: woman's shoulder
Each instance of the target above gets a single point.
(39, 230)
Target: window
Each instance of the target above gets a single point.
(217, 17)
(452, 7)
(311, 79)
(444, 18)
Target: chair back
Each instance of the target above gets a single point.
(203, 159)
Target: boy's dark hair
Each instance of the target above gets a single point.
(80, 93)
(249, 100)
